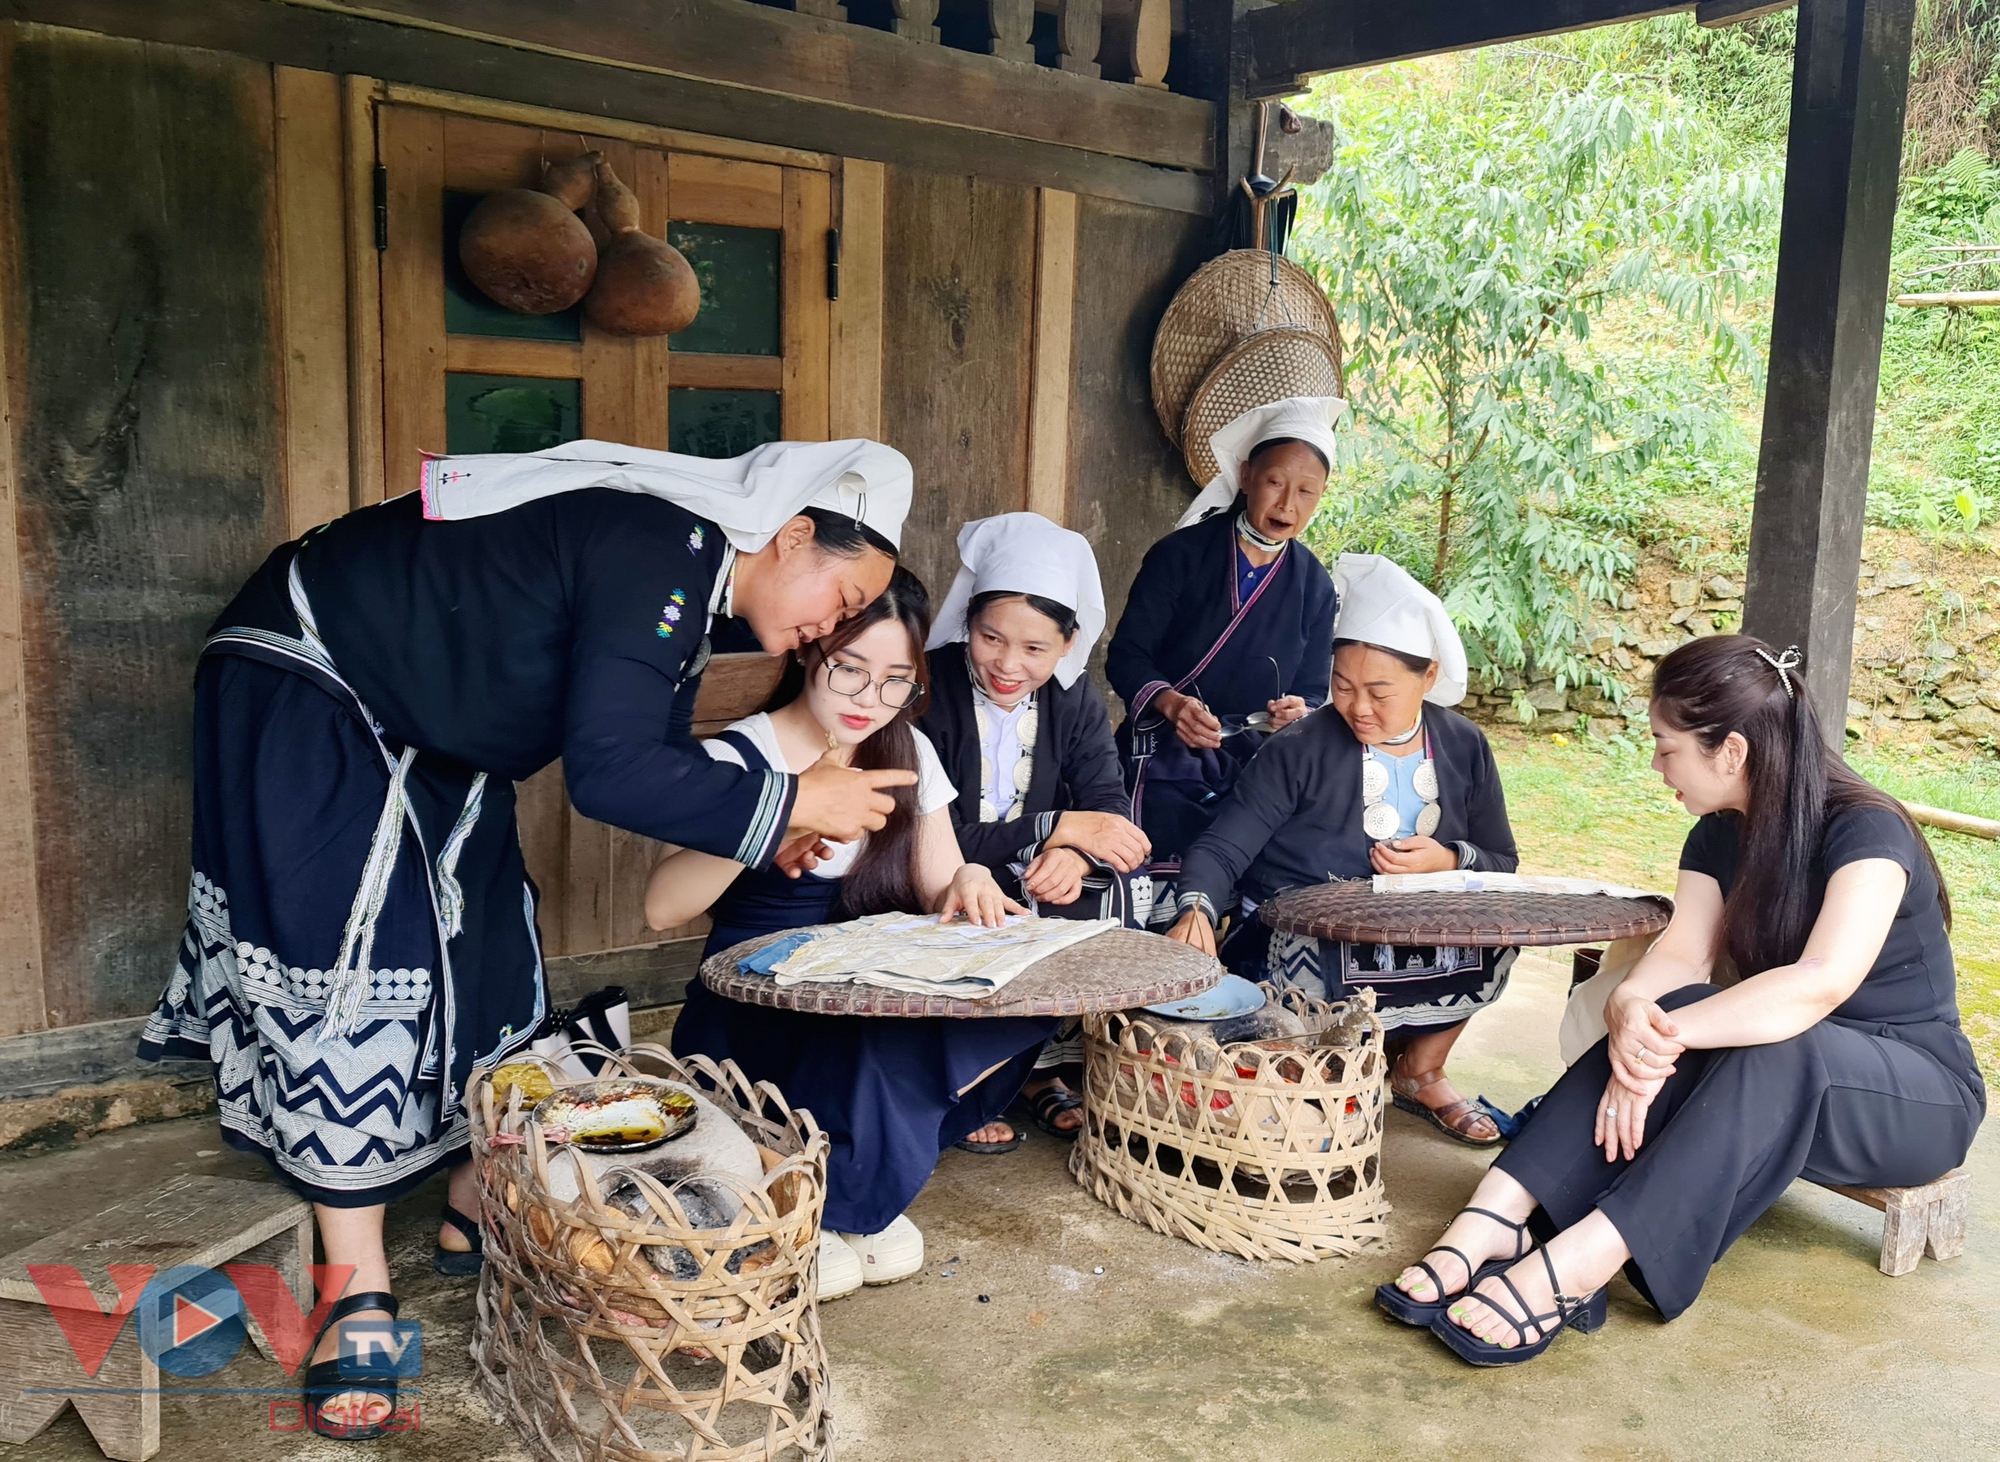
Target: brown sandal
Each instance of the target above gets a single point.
(1458, 1121)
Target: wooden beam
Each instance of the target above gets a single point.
(770, 50)
(1291, 42)
(345, 43)
(312, 281)
(808, 203)
(22, 1005)
(1849, 86)
(364, 293)
(1717, 14)
(1048, 386)
(855, 370)
(1955, 298)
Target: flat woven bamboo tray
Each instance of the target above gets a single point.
(1265, 1150)
(1227, 299)
(593, 1352)
(1350, 909)
(1115, 970)
(1272, 365)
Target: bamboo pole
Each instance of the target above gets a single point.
(1957, 822)
(1986, 297)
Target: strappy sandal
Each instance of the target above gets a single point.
(1050, 1103)
(327, 1379)
(1585, 1315)
(1455, 1120)
(451, 1261)
(993, 1149)
(1400, 1304)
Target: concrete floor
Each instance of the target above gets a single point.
(1798, 1349)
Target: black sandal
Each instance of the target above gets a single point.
(994, 1149)
(1050, 1103)
(451, 1261)
(327, 1379)
(1400, 1304)
(1584, 1315)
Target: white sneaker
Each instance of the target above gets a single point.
(839, 1268)
(895, 1253)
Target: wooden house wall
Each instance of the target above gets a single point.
(189, 302)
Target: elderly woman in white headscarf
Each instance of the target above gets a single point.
(1385, 779)
(1228, 630)
(1024, 736)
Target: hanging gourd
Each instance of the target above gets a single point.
(644, 285)
(526, 248)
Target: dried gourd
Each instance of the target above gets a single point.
(644, 285)
(526, 249)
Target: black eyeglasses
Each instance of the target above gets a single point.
(897, 692)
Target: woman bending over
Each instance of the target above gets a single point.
(1838, 1058)
(890, 1094)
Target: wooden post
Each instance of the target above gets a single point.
(1048, 389)
(1849, 85)
(1010, 23)
(1079, 32)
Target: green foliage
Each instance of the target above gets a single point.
(1474, 237)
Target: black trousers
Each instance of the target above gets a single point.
(1729, 1132)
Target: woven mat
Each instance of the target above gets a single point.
(1352, 910)
(1116, 970)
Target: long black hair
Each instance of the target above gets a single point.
(1722, 683)
(884, 876)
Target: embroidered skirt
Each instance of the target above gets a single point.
(1416, 986)
(289, 788)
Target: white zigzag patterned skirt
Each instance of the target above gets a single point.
(1414, 986)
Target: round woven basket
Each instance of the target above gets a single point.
(1227, 299)
(1268, 366)
(592, 1352)
(1265, 1150)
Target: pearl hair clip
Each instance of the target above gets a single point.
(1784, 664)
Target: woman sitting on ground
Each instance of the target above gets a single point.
(1838, 1059)
(1024, 735)
(890, 1094)
(1384, 779)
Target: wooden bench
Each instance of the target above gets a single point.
(201, 1221)
(1918, 1221)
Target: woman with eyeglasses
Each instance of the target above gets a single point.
(890, 1094)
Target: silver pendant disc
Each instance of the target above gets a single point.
(1381, 821)
(1425, 780)
(1374, 779)
(1428, 820)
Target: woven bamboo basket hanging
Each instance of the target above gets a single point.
(588, 1340)
(1225, 301)
(1264, 1150)
(1268, 366)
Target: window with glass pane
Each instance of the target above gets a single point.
(467, 311)
(510, 413)
(705, 423)
(738, 272)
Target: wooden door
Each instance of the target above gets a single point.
(460, 374)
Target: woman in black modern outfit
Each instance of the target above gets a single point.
(1838, 1058)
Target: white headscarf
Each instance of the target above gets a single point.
(749, 497)
(1304, 418)
(1024, 553)
(1380, 604)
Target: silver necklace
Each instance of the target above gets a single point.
(1251, 536)
(1379, 819)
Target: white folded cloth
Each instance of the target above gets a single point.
(1469, 880)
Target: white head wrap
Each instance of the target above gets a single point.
(749, 497)
(1304, 418)
(1380, 604)
(1024, 553)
